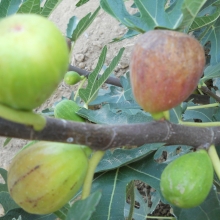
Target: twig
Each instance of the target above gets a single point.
(207, 91)
(102, 137)
(111, 80)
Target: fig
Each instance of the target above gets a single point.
(43, 177)
(72, 77)
(66, 109)
(165, 69)
(186, 181)
(34, 57)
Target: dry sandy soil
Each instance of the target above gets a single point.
(85, 54)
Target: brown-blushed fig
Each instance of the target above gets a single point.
(165, 69)
(43, 177)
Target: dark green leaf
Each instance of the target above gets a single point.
(113, 185)
(9, 7)
(94, 83)
(105, 115)
(82, 25)
(30, 6)
(203, 114)
(62, 213)
(49, 6)
(210, 72)
(18, 212)
(7, 202)
(116, 94)
(208, 210)
(83, 209)
(179, 15)
(3, 186)
(81, 2)
(7, 141)
(172, 152)
(120, 157)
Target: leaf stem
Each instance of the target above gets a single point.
(203, 106)
(215, 159)
(159, 217)
(23, 117)
(198, 124)
(93, 162)
(79, 87)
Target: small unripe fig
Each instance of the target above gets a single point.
(66, 109)
(165, 69)
(72, 77)
(43, 177)
(33, 60)
(186, 181)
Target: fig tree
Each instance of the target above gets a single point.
(45, 176)
(165, 69)
(34, 57)
(186, 181)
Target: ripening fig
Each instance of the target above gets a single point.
(186, 181)
(165, 69)
(34, 57)
(44, 176)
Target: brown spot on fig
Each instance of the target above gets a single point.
(73, 186)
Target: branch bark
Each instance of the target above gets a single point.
(103, 137)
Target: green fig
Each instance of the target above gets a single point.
(72, 77)
(186, 181)
(34, 57)
(66, 109)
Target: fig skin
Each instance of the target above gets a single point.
(66, 109)
(34, 57)
(72, 78)
(186, 181)
(43, 177)
(165, 69)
